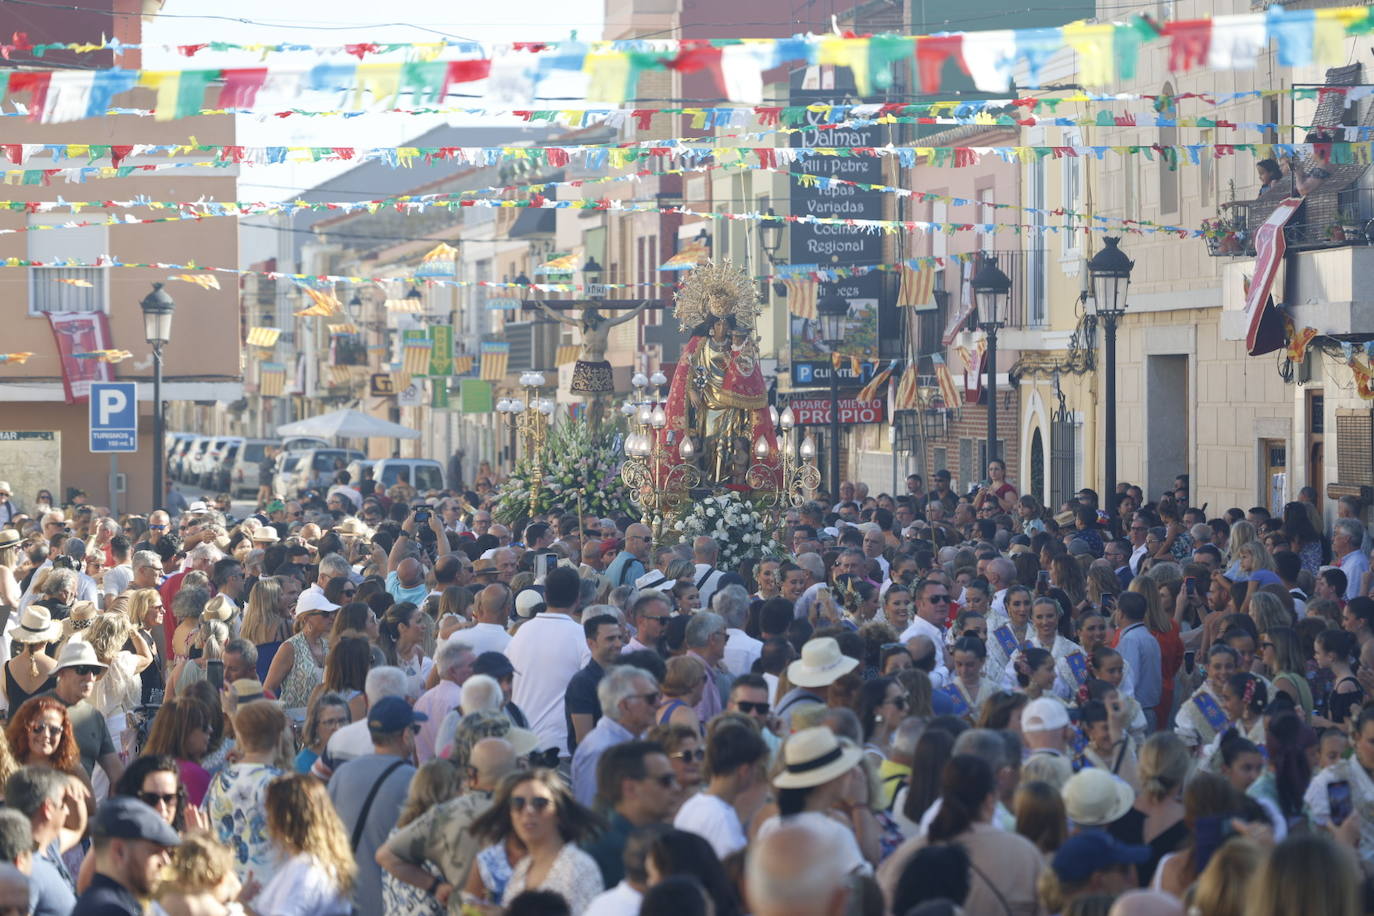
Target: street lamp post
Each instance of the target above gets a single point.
(832, 311)
(1110, 270)
(770, 239)
(157, 330)
(991, 289)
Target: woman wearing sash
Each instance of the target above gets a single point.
(1070, 665)
(1243, 699)
(1201, 716)
(969, 684)
(1007, 632)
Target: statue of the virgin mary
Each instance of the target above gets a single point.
(718, 396)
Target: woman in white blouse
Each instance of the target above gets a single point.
(536, 806)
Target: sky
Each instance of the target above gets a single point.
(339, 22)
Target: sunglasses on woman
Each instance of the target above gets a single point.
(153, 799)
(537, 803)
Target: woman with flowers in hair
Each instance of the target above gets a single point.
(1243, 699)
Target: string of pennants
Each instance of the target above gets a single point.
(962, 111)
(596, 157)
(506, 73)
(421, 202)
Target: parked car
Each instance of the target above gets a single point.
(421, 473)
(207, 469)
(284, 479)
(176, 464)
(316, 468)
(176, 443)
(190, 465)
(301, 443)
(239, 468)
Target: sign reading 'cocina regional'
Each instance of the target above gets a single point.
(816, 411)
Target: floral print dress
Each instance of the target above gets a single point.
(236, 803)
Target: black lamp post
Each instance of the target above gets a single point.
(591, 275)
(991, 288)
(1110, 270)
(832, 311)
(770, 239)
(157, 330)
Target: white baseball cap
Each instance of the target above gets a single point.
(1044, 715)
(312, 601)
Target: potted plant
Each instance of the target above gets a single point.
(1351, 230)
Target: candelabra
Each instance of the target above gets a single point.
(657, 479)
(785, 482)
(530, 417)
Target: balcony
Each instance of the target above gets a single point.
(1326, 220)
(1025, 268)
(1326, 288)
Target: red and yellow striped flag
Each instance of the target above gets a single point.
(322, 304)
(567, 353)
(908, 390)
(948, 390)
(870, 391)
(462, 365)
(917, 288)
(801, 298)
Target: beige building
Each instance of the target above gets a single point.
(1189, 398)
(201, 364)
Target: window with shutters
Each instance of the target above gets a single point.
(67, 289)
(1355, 448)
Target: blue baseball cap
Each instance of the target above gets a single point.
(393, 714)
(1091, 851)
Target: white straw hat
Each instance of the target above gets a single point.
(821, 664)
(813, 757)
(36, 625)
(1094, 797)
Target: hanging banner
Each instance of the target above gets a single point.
(81, 332)
(474, 396)
(1264, 325)
(441, 351)
(438, 393)
(965, 306)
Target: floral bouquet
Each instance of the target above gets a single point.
(736, 526)
(576, 460)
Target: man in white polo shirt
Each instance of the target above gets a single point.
(546, 652)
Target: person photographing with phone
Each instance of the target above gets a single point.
(1341, 797)
(405, 576)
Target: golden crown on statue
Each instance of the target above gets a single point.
(717, 289)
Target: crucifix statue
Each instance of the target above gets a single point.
(592, 374)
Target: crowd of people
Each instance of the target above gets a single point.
(385, 702)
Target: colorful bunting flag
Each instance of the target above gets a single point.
(16, 358)
(105, 356)
(204, 281)
(802, 298)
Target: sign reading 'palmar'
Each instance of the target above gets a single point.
(816, 411)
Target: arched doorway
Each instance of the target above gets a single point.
(1037, 466)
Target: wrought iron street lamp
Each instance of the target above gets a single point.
(157, 330)
(832, 310)
(1110, 271)
(991, 290)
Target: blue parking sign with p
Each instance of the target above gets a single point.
(114, 417)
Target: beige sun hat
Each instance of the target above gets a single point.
(821, 664)
(813, 757)
(1093, 797)
(218, 608)
(36, 625)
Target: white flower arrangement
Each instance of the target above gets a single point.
(736, 527)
